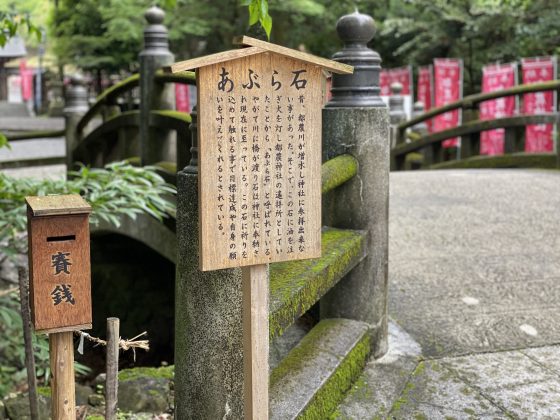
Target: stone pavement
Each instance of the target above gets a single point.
(474, 295)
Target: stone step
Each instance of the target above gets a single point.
(313, 379)
(295, 286)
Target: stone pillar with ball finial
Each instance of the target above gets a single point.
(155, 145)
(356, 122)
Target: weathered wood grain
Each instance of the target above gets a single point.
(259, 160)
(59, 268)
(255, 341)
(63, 388)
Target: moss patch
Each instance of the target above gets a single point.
(513, 160)
(296, 285)
(333, 392)
(169, 167)
(182, 116)
(337, 171)
(45, 391)
(408, 389)
(166, 372)
(328, 397)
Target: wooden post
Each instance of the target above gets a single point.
(63, 390)
(255, 341)
(27, 339)
(112, 369)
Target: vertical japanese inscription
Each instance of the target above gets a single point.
(60, 272)
(260, 148)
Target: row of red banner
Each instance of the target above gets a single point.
(442, 83)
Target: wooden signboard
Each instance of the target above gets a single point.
(259, 154)
(259, 139)
(59, 263)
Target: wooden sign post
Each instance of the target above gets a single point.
(259, 137)
(60, 286)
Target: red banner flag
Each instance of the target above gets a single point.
(26, 80)
(182, 100)
(448, 88)
(538, 138)
(403, 75)
(496, 77)
(385, 82)
(424, 90)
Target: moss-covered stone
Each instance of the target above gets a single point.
(144, 394)
(182, 116)
(45, 391)
(165, 372)
(168, 167)
(296, 285)
(337, 171)
(513, 160)
(331, 392)
(17, 407)
(413, 161)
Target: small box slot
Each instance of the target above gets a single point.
(61, 238)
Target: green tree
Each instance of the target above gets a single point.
(479, 31)
(20, 18)
(83, 37)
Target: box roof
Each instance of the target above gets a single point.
(50, 205)
(256, 46)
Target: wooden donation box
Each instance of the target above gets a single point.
(59, 263)
(259, 137)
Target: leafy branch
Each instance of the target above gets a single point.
(10, 23)
(119, 189)
(258, 12)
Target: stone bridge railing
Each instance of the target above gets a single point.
(154, 134)
(412, 136)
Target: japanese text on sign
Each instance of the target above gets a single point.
(262, 152)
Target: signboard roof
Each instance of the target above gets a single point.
(256, 46)
(51, 205)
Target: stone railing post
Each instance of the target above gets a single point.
(417, 110)
(356, 121)
(155, 145)
(208, 319)
(397, 114)
(76, 99)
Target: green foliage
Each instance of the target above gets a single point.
(108, 33)
(87, 35)
(4, 141)
(11, 23)
(119, 189)
(12, 350)
(479, 31)
(258, 12)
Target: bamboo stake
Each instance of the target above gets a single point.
(28, 342)
(63, 388)
(255, 341)
(112, 369)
